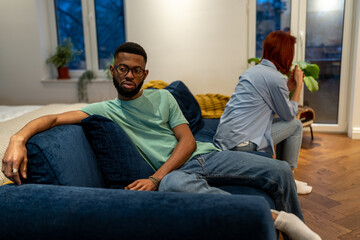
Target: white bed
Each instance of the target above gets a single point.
(13, 118)
(10, 112)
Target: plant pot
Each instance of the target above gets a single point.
(63, 73)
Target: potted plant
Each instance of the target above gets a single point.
(83, 81)
(63, 56)
(311, 72)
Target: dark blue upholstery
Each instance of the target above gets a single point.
(187, 103)
(57, 212)
(207, 130)
(119, 160)
(62, 155)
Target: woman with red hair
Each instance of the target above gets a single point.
(248, 122)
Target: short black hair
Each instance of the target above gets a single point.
(131, 47)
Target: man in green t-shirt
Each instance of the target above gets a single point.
(154, 122)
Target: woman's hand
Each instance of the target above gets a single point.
(296, 79)
(298, 76)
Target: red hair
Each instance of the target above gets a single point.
(278, 48)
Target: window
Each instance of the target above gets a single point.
(271, 15)
(110, 28)
(323, 33)
(324, 41)
(96, 27)
(70, 25)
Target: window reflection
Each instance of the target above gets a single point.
(70, 25)
(324, 31)
(110, 28)
(271, 15)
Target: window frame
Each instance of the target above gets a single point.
(90, 37)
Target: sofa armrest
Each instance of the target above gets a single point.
(63, 212)
(62, 156)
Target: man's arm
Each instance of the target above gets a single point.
(185, 147)
(15, 156)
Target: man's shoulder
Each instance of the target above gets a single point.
(156, 92)
(98, 105)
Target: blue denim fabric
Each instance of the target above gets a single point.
(236, 168)
(287, 135)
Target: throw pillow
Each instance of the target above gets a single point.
(187, 103)
(119, 159)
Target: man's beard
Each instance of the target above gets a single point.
(125, 93)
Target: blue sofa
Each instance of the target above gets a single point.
(74, 190)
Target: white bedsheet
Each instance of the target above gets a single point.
(10, 112)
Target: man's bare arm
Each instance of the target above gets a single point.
(185, 147)
(15, 156)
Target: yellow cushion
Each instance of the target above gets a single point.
(212, 105)
(158, 84)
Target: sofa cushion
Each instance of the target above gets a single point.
(58, 212)
(62, 156)
(207, 130)
(187, 103)
(119, 159)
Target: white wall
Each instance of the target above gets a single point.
(201, 42)
(21, 62)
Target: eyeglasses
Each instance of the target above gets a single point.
(122, 70)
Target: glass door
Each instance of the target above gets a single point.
(323, 33)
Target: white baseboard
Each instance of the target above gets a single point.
(355, 133)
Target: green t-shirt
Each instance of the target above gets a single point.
(148, 121)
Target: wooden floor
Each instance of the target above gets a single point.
(331, 164)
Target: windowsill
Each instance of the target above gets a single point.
(75, 80)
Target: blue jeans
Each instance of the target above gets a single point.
(242, 168)
(287, 135)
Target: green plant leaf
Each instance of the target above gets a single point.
(83, 81)
(255, 60)
(64, 54)
(302, 65)
(312, 70)
(311, 83)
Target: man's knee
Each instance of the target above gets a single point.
(172, 182)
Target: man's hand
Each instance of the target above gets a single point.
(142, 185)
(15, 160)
